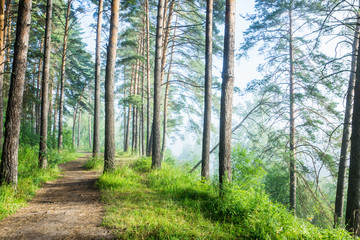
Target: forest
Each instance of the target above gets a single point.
(156, 127)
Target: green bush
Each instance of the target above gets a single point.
(247, 171)
(249, 209)
(96, 163)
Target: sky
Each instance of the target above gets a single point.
(245, 69)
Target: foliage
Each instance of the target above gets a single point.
(246, 168)
(96, 163)
(31, 177)
(171, 203)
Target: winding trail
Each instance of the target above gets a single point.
(67, 208)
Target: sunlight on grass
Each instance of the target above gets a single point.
(172, 204)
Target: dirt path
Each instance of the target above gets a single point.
(67, 208)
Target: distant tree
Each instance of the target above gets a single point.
(167, 92)
(96, 141)
(227, 94)
(156, 146)
(109, 156)
(9, 159)
(299, 89)
(205, 172)
(45, 88)
(147, 78)
(62, 82)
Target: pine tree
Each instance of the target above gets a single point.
(109, 156)
(9, 159)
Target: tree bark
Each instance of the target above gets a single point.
(205, 172)
(74, 123)
(9, 160)
(109, 157)
(227, 88)
(39, 90)
(89, 119)
(79, 129)
(127, 135)
(125, 125)
(142, 140)
(147, 78)
(56, 107)
(45, 88)
(340, 189)
(62, 77)
(2, 68)
(135, 93)
(292, 168)
(166, 97)
(96, 141)
(353, 194)
(167, 20)
(7, 33)
(50, 104)
(156, 148)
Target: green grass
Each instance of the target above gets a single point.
(94, 163)
(30, 178)
(172, 204)
(97, 163)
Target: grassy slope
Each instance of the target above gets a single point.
(31, 178)
(171, 204)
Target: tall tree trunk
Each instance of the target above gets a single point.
(227, 88)
(79, 129)
(74, 123)
(127, 137)
(136, 81)
(96, 141)
(34, 103)
(62, 77)
(156, 148)
(50, 103)
(45, 88)
(167, 20)
(205, 158)
(340, 189)
(56, 107)
(125, 125)
(353, 195)
(150, 146)
(89, 118)
(166, 97)
(142, 141)
(109, 157)
(292, 119)
(147, 78)
(9, 159)
(7, 38)
(2, 64)
(39, 90)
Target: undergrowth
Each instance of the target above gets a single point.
(172, 204)
(30, 177)
(94, 163)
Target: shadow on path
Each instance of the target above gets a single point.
(67, 208)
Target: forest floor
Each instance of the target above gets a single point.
(67, 208)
